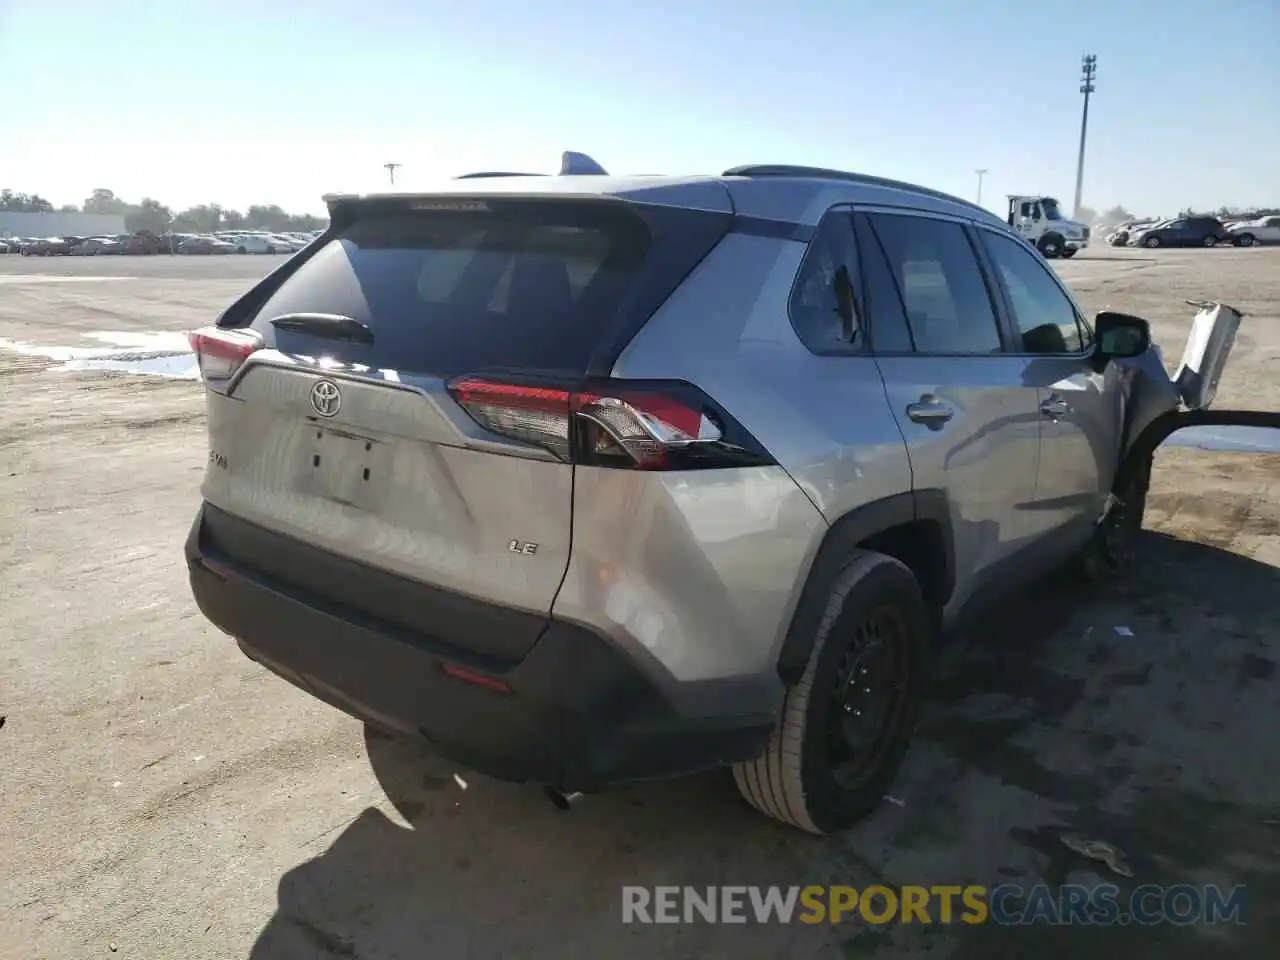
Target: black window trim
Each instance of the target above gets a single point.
(1012, 324)
(996, 298)
(866, 346)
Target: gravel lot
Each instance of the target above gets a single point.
(164, 797)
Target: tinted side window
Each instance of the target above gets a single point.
(825, 286)
(1043, 314)
(940, 283)
(882, 306)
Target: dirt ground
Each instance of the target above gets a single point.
(164, 797)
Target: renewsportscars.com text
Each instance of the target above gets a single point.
(1008, 904)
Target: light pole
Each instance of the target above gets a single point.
(1088, 71)
(981, 172)
(391, 169)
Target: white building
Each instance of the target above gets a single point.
(14, 224)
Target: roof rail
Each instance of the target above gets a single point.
(495, 173)
(824, 173)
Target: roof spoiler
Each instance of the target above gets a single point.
(574, 164)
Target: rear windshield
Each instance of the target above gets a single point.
(523, 285)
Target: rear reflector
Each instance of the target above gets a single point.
(630, 426)
(479, 679)
(220, 353)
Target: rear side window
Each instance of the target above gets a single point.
(522, 285)
(941, 286)
(823, 307)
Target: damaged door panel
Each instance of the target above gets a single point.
(1155, 405)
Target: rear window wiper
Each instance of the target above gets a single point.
(331, 326)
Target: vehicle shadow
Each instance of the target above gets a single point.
(1044, 719)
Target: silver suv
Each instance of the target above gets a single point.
(587, 479)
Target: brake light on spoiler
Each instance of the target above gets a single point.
(220, 353)
(633, 425)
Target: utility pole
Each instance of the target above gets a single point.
(1088, 71)
(391, 169)
(981, 172)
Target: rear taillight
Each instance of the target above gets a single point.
(221, 353)
(635, 425)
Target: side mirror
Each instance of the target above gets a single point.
(1120, 336)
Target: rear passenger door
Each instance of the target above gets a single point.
(1079, 417)
(967, 414)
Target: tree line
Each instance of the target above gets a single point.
(153, 216)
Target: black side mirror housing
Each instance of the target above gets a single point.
(1119, 336)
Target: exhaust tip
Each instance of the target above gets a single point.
(561, 801)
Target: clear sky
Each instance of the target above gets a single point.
(239, 102)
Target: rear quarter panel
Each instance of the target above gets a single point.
(720, 592)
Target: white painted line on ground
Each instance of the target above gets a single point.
(52, 278)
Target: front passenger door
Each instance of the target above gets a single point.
(1079, 416)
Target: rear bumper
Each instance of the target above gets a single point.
(575, 713)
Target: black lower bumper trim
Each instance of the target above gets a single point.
(578, 715)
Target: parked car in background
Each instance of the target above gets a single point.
(1250, 232)
(96, 246)
(1186, 232)
(259, 243)
(205, 245)
(1136, 232)
(1121, 233)
(143, 244)
(285, 243)
(47, 247)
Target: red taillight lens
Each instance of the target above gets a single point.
(623, 426)
(536, 415)
(221, 353)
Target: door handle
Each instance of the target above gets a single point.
(1055, 407)
(930, 411)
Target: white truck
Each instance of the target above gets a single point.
(1040, 221)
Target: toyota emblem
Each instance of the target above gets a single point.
(326, 398)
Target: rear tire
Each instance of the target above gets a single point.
(1210, 241)
(876, 629)
(1244, 240)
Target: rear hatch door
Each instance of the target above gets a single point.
(342, 436)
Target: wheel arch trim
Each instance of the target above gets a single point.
(845, 535)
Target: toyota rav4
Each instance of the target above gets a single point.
(587, 479)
